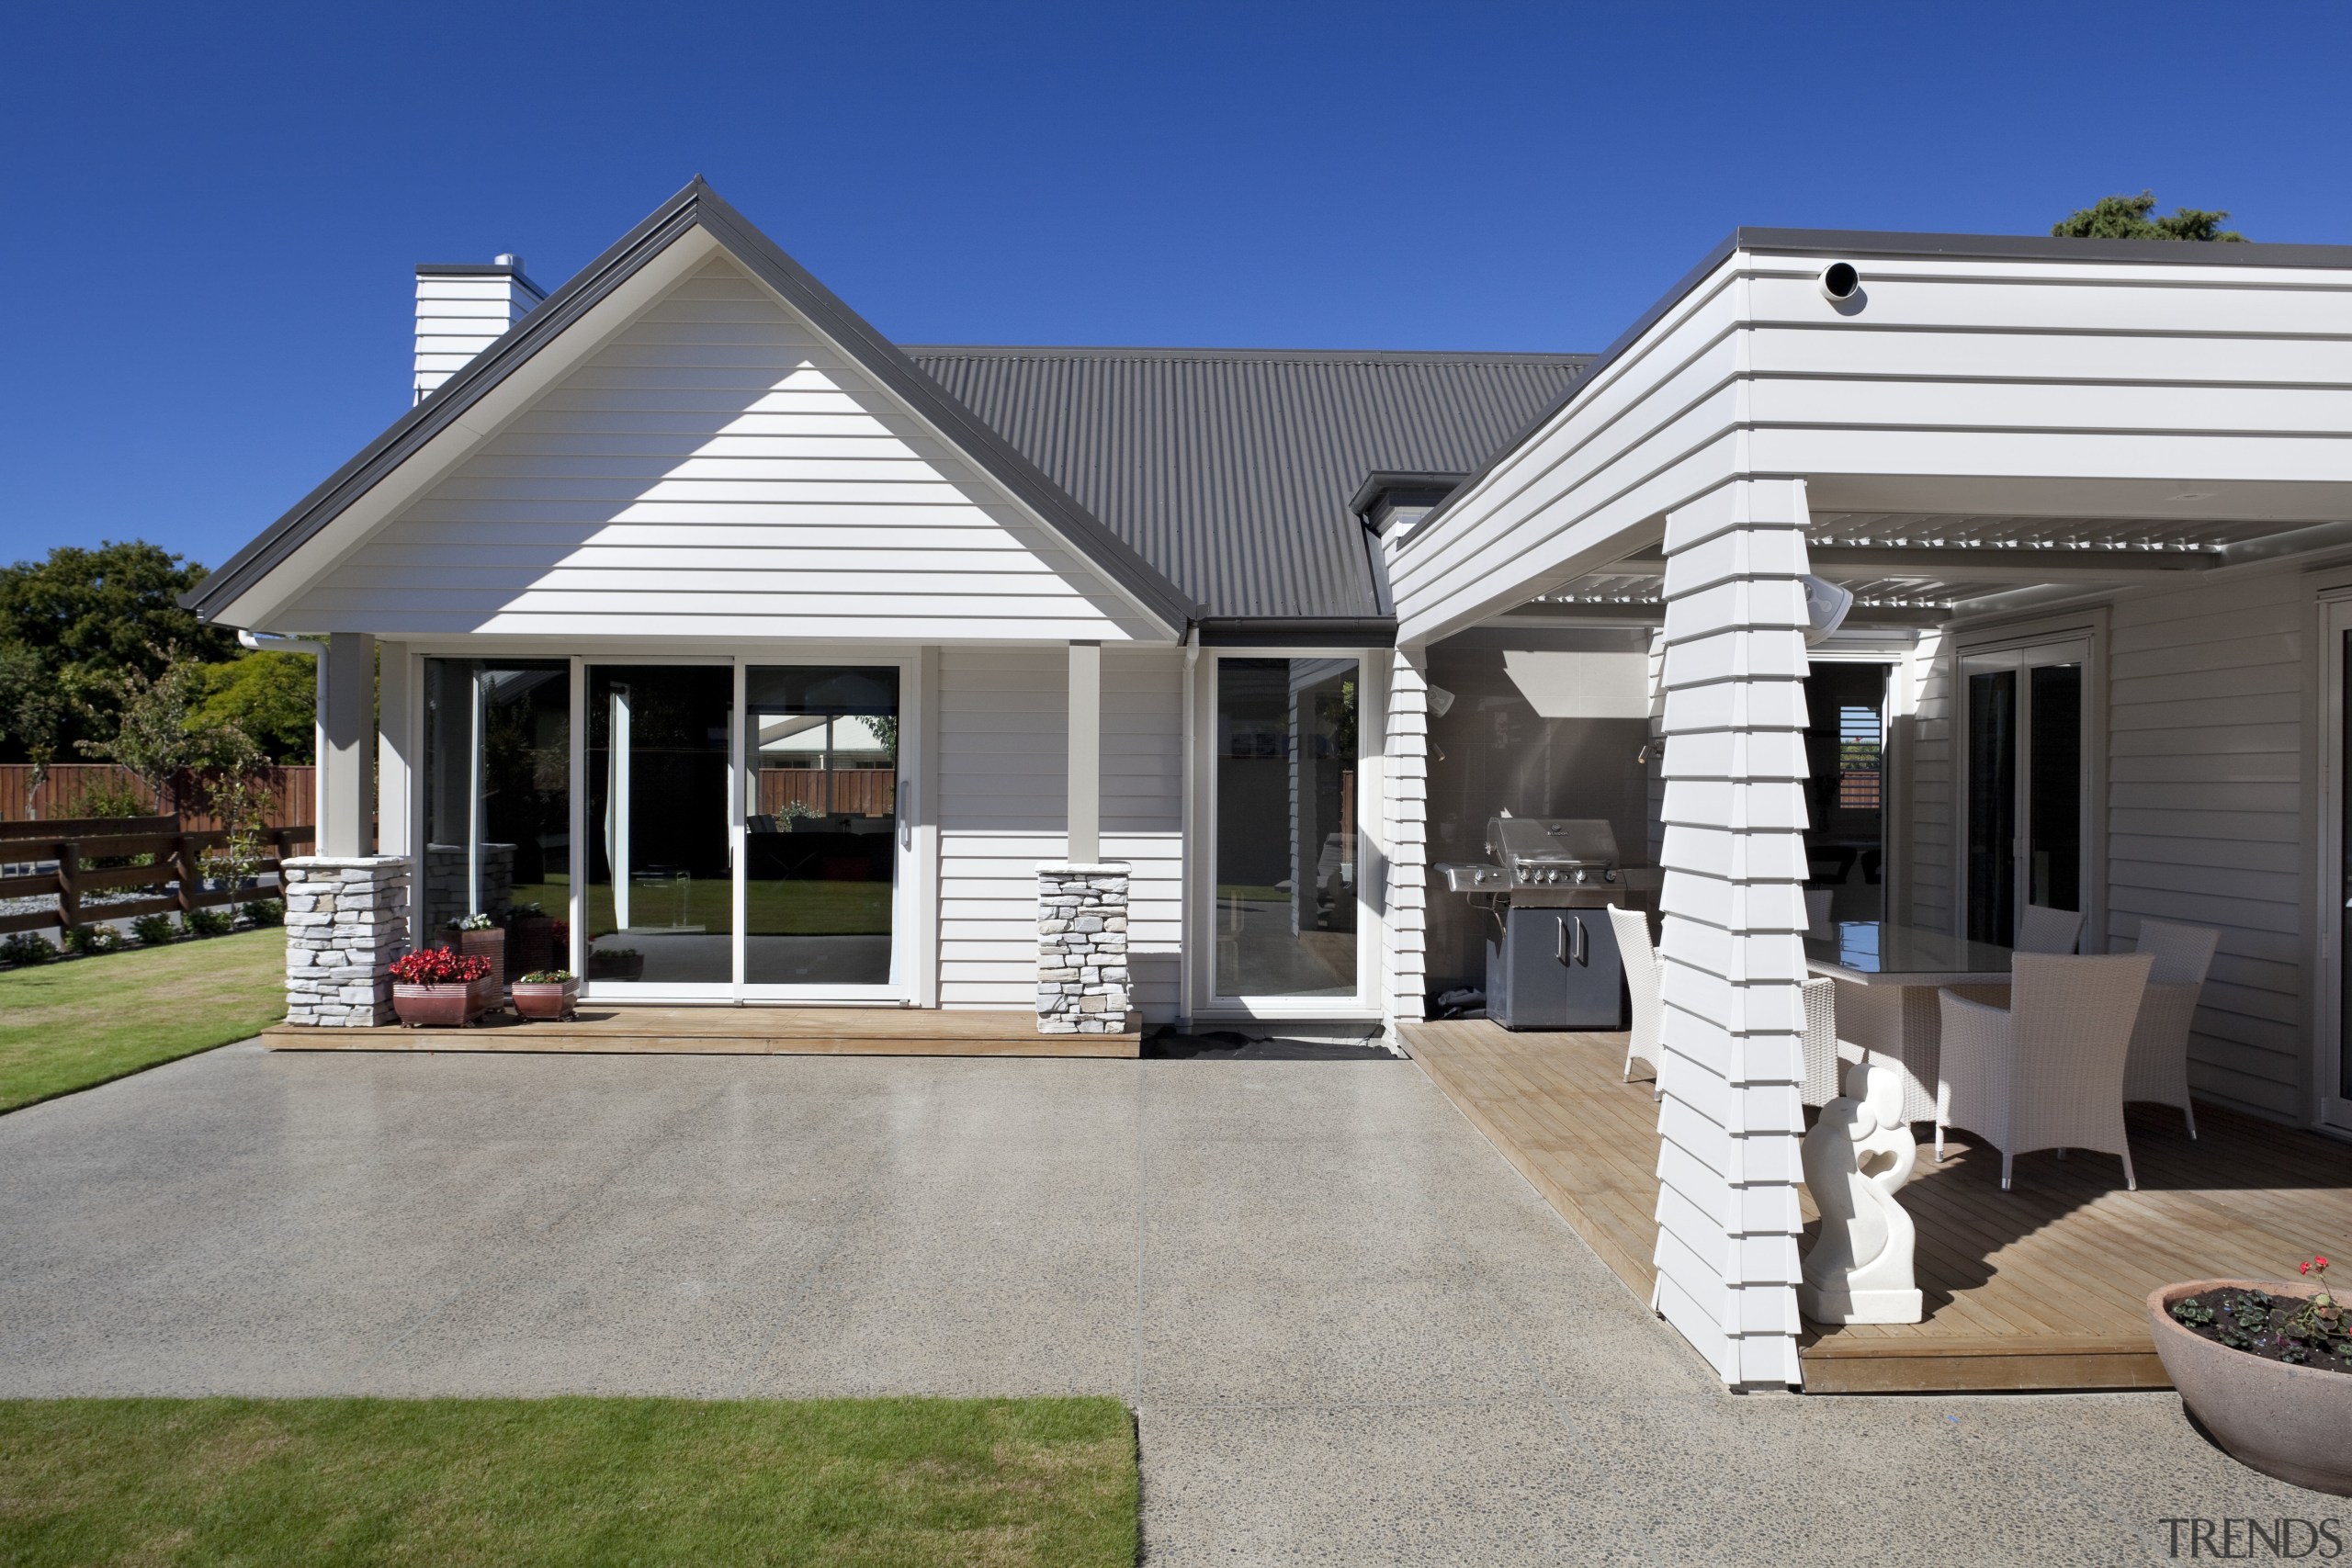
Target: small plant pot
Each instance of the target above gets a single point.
(615, 965)
(437, 1006)
(2282, 1420)
(545, 1000)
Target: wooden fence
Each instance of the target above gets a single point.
(176, 863)
(291, 792)
(843, 792)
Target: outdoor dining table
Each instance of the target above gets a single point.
(1888, 975)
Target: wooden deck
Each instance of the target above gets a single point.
(2038, 1288)
(733, 1031)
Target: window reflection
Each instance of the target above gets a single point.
(1286, 852)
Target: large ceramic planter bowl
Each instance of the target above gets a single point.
(2289, 1422)
(435, 1007)
(545, 1000)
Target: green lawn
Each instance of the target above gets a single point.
(67, 1026)
(770, 909)
(843, 1483)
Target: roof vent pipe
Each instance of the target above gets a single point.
(1840, 282)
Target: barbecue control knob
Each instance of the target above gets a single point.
(1610, 874)
(1580, 873)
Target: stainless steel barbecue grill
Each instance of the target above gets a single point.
(1551, 960)
(1544, 861)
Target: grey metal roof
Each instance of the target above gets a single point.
(1231, 470)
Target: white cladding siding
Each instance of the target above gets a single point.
(717, 470)
(1403, 931)
(458, 317)
(1003, 788)
(1730, 959)
(1924, 743)
(1143, 812)
(2205, 815)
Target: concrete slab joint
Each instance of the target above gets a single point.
(346, 919)
(1082, 979)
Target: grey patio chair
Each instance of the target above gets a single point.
(1817, 911)
(2158, 1068)
(1640, 961)
(2049, 930)
(2046, 1072)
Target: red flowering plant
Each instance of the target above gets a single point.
(439, 966)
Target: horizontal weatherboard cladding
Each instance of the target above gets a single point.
(1232, 470)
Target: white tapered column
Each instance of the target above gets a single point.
(1730, 1120)
(1085, 751)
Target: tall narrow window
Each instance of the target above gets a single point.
(1286, 856)
(660, 905)
(820, 745)
(497, 800)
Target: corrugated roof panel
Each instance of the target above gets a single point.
(1231, 470)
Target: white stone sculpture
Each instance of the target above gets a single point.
(1856, 1157)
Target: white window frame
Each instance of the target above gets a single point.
(1372, 869)
(2022, 639)
(914, 901)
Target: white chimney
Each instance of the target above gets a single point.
(461, 310)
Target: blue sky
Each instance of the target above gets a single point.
(211, 212)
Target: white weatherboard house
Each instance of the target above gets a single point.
(795, 668)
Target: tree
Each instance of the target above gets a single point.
(33, 709)
(89, 615)
(272, 696)
(161, 737)
(2127, 218)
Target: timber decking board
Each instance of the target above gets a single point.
(2041, 1287)
(732, 1030)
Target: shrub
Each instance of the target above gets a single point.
(154, 930)
(439, 966)
(264, 912)
(90, 941)
(546, 977)
(477, 921)
(113, 795)
(25, 948)
(208, 922)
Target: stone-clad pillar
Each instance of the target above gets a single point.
(345, 921)
(1082, 983)
(1731, 1070)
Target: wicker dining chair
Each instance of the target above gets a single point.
(1825, 1060)
(1640, 961)
(2158, 1070)
(2046, 1072)
(2049, 930)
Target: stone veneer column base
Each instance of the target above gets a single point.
(346, 919)
(1082, 986)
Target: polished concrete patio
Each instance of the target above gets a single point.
(1351, 1332)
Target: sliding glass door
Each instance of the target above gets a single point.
(2028, 804)
(661, 897)
(820, 837)
(1286, 855)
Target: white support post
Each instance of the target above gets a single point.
(1405, 782)
(1730, 1119)
(1085, 751)
(347, 747)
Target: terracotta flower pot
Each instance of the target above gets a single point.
(545, 999)
(2282, 1420)
(436, 1007)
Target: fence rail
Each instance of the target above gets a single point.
(291, 791)
(843, 792)
(177, 864)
